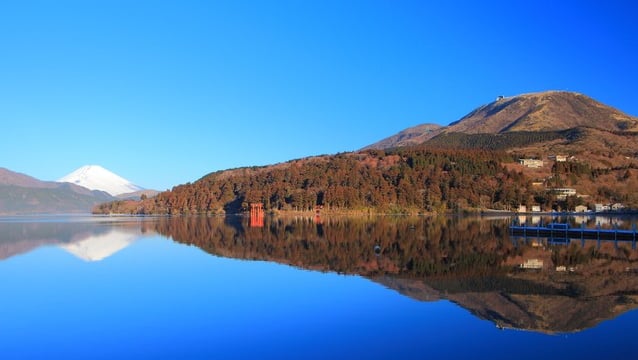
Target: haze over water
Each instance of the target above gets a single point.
(389, 287)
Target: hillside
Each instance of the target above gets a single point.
(136, 195)
(23, 194)
(8, 177)
(408, 137)
(16, 200)
(544, 111)
(408, 180)
(510, 120)
(473, 164)
(404, 180)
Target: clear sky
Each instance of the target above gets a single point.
(164, 92)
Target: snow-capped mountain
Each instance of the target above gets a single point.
(95, 177)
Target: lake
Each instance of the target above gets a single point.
(332, 288)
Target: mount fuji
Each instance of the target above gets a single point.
(95, 177)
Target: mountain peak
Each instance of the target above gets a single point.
(552, 110)
(543, 111)
(95, 177)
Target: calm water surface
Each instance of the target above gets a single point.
(382, 288)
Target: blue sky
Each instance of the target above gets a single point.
(164, 92)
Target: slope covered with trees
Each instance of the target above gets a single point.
(405, 180)
(471, 164)
(398, 181)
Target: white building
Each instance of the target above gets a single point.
(580, 208)
(617, 206)
(531, 163)
(563, 193)
(532, 264)
(558, 158)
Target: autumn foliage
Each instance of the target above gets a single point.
(404, 180)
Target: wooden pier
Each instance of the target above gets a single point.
(564, 231)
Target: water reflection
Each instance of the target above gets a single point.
(86, 238)
(473, 262)
(588, 220)
(533, 284)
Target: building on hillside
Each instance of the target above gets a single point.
(536, 208)
(558, 158)
(563, 193)
(580, 208)
(531, 163)
(522, 208)
(601, 207)
(617, 207)
(532, 264)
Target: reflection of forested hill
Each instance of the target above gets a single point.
(471, 262)
(409, 247)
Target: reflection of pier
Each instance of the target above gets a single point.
(559, 233)
(256, 215)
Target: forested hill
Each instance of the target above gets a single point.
(402, 180)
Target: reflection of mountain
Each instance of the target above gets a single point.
(88, 240)
(471, 262)
(547, 305)
(100, 246)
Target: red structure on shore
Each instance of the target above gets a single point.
(318, 214)
(256, 215)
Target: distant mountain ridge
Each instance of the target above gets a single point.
(22, 194)
(548, 111)
(8, 177)
(88, 186)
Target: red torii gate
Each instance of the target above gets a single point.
(256, 215)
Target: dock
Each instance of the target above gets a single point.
(564, 231)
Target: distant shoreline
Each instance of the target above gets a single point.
(588, 213)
